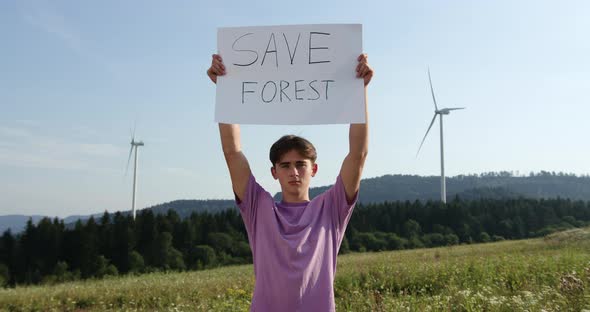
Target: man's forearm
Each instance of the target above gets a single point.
(353, 164)
(237, 163)
(230, 138)
(359, 136)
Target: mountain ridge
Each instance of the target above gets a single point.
(396, 187)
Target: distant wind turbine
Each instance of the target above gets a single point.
(440, 113)
(134, 144)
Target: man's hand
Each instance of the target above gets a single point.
(217, 68)
(363, 70)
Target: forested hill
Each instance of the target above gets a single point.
(185, 207)
(490, 185)
(495, 185)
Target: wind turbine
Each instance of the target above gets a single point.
(440, 113)
(134, 145)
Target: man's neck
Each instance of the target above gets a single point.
(295, 199)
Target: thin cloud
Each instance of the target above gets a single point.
(28, 123)
(176, 171)
(106, 150)
(42, 16)
(85, 132)
(20, 147)
(11, 158)
(13, 132)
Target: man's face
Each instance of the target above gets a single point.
(294, 173)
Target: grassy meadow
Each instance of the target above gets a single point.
(545, 274)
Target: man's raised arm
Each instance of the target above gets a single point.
(239, 170)
(352, 167)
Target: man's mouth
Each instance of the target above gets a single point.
(294, 182)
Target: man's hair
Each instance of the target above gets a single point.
(291, 142)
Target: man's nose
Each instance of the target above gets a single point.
(293, 171)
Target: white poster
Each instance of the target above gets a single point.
(300, 74)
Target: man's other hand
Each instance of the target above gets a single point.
(217, 68)
(363, 70)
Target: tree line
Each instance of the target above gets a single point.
(51, 251)
(498, 185)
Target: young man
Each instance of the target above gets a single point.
(295, 242)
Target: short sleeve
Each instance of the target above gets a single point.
(342, 209)
(248, 205)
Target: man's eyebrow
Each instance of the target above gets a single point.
(284, 163)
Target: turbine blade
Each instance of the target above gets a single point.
(128, 160)
(455, 108)
(133, 134)
(432, 90)
(421, 143)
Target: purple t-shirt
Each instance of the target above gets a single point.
(294, 247)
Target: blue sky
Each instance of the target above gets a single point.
(76, 75)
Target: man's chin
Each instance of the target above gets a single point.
(295, 188)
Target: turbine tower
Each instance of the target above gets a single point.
(440, 113)
(134, 145)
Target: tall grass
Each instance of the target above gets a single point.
(550, 274)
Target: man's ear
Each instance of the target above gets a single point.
(273, 171)
(314, 170)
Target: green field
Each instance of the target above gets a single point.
(547, 274)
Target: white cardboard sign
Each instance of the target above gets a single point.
(300, 74)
